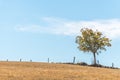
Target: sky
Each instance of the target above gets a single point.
(42, 29)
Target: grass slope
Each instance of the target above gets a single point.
(45, 71)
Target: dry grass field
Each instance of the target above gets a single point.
(51, 71)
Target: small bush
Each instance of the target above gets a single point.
(96, 65)
(82, 63)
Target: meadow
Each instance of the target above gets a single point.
(52, 71)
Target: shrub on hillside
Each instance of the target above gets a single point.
(82, 63)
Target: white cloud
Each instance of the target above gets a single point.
(32, 28)
(110, 28)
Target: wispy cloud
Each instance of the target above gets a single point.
(110, 28)
(32, 28)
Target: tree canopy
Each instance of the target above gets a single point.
(92, 41)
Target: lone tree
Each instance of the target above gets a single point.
(92, 41)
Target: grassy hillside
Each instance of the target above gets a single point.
(45, 71)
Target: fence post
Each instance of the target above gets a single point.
(112, 65)
(98, 61)
(30, 60)
(73, 60)
(48, 60)
(20, 60)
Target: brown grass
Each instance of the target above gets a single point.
(45, 71)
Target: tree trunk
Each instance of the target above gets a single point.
(94, 58)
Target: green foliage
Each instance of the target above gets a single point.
(92, 41)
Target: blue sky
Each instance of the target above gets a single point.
(38, 29)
